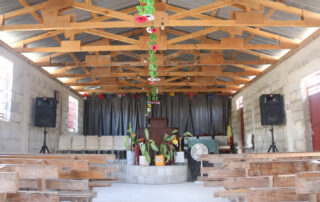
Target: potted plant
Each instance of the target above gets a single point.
(179, 157)
(166, 150)
(145, 147)
(129, 142)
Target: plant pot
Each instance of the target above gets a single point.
(159, 159)
(143, 161)
(179, 158)
(130, 157)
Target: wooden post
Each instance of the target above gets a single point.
(3, 197)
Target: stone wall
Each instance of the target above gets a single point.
(19, 134)
(295, 134)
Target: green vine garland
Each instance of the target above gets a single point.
(146, 13)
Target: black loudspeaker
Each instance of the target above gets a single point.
(46, 109)
(272, 109)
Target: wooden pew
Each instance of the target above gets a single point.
(9, 186)
(275, 194)
(91, 158)
(218, 158)
(308, 183)
(259, 175)
(76, 176)
(28, 196)
(63, 164)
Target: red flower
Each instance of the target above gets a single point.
(154, 47)
(141, 19)
(101, 96)
(153, 30)
(152, 83)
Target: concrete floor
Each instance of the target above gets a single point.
(186, 192)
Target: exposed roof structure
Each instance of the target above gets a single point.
(95, 46)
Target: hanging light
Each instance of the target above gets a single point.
(162, 26)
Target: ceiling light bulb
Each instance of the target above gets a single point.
(162, 26)
(145, 60)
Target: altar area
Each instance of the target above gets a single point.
(156, 174)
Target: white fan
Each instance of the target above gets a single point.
(197, 150)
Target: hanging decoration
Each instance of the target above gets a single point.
(120, 95)
(191, 95)
(85, 96)
(135, 96)
(101, 96)
(171, 94)
(146, 10)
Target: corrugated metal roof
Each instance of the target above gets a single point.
(223, 13)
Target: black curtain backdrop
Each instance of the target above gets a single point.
(203, 114)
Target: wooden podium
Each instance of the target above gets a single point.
(158, 127)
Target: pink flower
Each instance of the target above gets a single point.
(154, 47)
(153, 30)
(141, 19)
(152, 83)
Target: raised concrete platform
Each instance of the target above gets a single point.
(157, 174)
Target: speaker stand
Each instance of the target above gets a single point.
(273, 144)
(44, 147)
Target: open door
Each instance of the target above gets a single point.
(314, 103)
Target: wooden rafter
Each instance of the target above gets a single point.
(200, 74)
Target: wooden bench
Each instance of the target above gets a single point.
(10, 175)
(77, 174)
(246, 176)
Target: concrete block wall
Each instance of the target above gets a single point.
(295, 135)
(19, 134)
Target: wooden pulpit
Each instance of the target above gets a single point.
(158, 127)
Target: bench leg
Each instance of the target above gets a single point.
(3, 197)
(313, 197)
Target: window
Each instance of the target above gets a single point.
(6, 75)
(313, 84)
(239, 102)
(72, 114)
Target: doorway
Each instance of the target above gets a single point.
(314, 104)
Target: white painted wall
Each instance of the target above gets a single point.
(19, 134)
(295, 134)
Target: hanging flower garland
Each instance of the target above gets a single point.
(146, 14)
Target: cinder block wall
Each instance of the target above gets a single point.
(295, 134)
(19, 134)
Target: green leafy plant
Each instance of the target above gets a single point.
(184, 136)
(130, 139)
(148, 144)
(166, 147)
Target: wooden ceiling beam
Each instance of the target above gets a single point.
(24, 10)
(174, 74)
(167, 63)
(163, 90)
(201, 9)
(102, 11)
(193, 35)
(116, 37)
(89, 2)
(171, 23)
(113, 48)
(176, 84)
(248, 29)
(57, 32)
